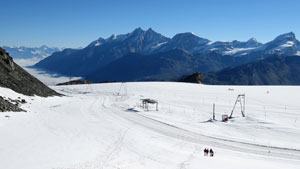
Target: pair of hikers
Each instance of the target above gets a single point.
(206, 151)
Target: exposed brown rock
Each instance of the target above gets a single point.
(194, 78)
(75, 82)
(5, 105)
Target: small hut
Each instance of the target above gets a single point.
(146, 103)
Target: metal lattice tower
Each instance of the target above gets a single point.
(240, 98)
(123, 85)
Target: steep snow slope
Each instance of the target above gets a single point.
(95, 127)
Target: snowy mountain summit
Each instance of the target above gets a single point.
(184, 53)
(139, 40)
(284, 44)
(252, 43)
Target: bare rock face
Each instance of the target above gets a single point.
(194, 78)
(5, 105)
(75, 82)
(8, 60)
(16, 78)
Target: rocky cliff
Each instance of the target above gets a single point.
(16, 78)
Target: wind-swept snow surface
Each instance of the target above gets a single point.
(99, 126)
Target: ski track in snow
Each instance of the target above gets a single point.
(189, 136)
(121, 142)
(185, 135)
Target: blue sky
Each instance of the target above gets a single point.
(74, 23)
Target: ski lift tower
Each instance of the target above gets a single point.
(240, 98)
(124, 87)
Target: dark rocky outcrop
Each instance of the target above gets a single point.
(75, 82)
(16, 78)
(5, 105)
(194, 78)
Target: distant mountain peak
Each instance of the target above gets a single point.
(252, 40)
(287, 36)
(31, 52)
(282, 44)
(44, 46)
(138, 30)
(252, 43)
(185, 34)
(150, 30)
(190, 36)
(100, 39)
(113, 37)
(181, 47)
(291, 34)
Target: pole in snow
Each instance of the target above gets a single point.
(214, 116)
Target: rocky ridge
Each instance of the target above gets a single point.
(16, 78)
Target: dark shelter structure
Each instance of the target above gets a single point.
(146, 103)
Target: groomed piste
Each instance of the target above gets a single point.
(105, 126)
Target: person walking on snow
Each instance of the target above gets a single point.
(211, 152)
(205, 151)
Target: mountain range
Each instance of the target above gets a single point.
(22, 52)
(143, 55)
(274, 70)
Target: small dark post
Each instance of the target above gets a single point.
(214, 116)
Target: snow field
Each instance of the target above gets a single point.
(94, 127)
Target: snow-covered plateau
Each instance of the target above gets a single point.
(104, 126)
